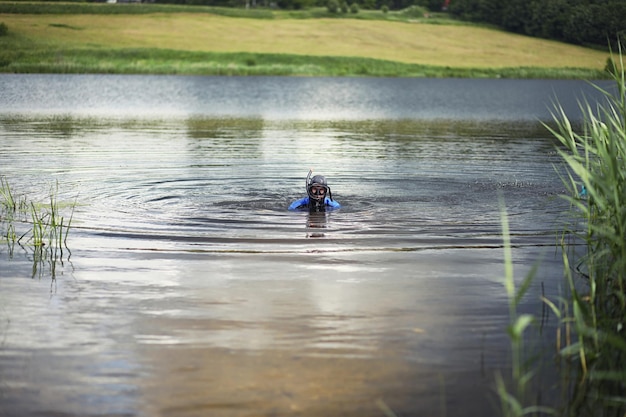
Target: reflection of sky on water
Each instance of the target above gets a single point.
(333, 304)
(191, 286)
(285, 98)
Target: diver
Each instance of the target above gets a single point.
(319, 198)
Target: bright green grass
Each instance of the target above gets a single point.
(160, 61)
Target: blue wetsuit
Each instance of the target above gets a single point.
(303, 203)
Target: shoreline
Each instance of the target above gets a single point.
(166, 62)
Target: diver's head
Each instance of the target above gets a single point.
(317, 188)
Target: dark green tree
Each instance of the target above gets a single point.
(515, 15)
(548, 18)
(432, 5)
(587, 22)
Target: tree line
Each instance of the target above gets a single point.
(583, 22)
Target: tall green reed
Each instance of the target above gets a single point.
(10, 206)
(594, 154)
(8, 202)
(37, 227)
(516, 396)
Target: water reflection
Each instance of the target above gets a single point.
(224, 128)
(284, 98)
(193, 291)
(315, 221)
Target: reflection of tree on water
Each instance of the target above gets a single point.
(225, 137)
(316, 220)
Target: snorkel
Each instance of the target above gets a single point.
(307, 181)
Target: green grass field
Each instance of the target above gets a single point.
(208, 43)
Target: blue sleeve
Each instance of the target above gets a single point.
(332, 203)
(299, 203)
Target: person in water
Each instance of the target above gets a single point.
(319, 197)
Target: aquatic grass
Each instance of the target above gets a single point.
(47, 225)
(515, 396)
(8, 202)
(594, 155)
(10, 207)
(38, 226)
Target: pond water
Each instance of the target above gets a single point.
(188, 289)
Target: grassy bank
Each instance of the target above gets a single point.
(275, 43)
(163, 61)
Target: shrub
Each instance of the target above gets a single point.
(384, 9)
(332, 6)
(414, 12)
(354, 8)
(4, 29)
(344, 7)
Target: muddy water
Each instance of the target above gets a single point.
(188, 289)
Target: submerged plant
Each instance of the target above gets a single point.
(9, 204)
(595, 158)
(34, 226)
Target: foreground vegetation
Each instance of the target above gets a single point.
(169, 39)
(597, 172)
(35, 227)
(591, 338)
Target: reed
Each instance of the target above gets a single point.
(8, 202)
(515, 394)
(37, 227)
(10, 207)
(594, 155)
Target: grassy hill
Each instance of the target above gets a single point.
(286, 44)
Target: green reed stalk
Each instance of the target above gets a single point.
(47, 232)
(595, 158)
(513, 400)
(55, 224)
(8, 202)
(11, 235)
(69, 224)
(38, 227)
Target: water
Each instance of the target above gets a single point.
(189, 290)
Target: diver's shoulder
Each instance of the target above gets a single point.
(303, 202)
